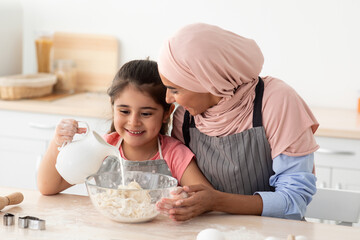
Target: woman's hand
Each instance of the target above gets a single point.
(200, 199)
(168, 203)
(65, 131)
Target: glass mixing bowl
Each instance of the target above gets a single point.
(132, 202)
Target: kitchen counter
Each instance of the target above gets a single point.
(87, 104)
(74, 217)
(342, 123)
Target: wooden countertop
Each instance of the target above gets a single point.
(74, 217)
(342, 123)
(88, 104)
(334, 122)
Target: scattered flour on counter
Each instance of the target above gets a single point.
(126, 206)
(241, 233)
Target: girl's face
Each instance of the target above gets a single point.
(195, 103)
(138, 118)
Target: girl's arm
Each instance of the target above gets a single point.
(49, 180)
(192, 175)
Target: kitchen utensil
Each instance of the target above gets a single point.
(31, 222)
(81, 158)
(121, 204)
(95, 57)
(8, 219)
(11, 199)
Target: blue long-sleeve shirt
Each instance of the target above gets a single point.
(294, 183)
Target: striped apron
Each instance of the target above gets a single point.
(240, 163)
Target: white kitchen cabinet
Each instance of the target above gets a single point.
(323, 175)
(18, 161)
(337, 163)
(24, 137)
(346, 179)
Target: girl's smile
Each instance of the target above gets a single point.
(135, 133)
(138, 120)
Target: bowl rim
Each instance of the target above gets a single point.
(152, 189)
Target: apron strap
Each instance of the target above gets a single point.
(189, 122)
(257, 116)
(159, 149)
(119, 143)
(159, 146)
(186, 128)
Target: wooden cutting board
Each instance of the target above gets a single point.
(95, 56)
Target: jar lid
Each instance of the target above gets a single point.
(44, 33)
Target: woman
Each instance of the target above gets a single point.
(252, 136)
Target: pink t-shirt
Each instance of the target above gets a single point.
(175, 153)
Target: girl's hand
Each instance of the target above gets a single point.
(66, 130)
(200, 199)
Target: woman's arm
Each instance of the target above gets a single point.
(294, 186)
(294, 183)
(203, 199)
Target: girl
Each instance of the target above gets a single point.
(140, 121)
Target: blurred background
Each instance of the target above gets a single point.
(311, 45)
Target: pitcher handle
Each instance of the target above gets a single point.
(87, 127)
(67, 142)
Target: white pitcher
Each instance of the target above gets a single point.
(81, 158)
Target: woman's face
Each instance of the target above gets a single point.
(195, 103)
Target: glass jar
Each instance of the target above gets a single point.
(44, 44)
(65, 71)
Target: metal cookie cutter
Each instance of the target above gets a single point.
(31, 222)
(8, 219)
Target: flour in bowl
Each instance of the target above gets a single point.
(125, 205)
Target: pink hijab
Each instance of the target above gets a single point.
(205, 58)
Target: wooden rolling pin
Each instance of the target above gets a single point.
(12, 199)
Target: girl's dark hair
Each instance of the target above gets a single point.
(144, 75)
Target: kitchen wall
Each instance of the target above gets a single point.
(313, 45)
(11, 28)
